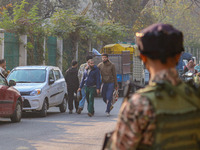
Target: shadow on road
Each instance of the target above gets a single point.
(37, 114)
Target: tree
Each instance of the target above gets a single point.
(118, 11)
(181, 14)
(25, 18)
(21, 21)
(111, 32)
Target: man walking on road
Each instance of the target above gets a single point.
(165, 114)
(91, 78)
(81, 70)
(71, 78)
(109, 81)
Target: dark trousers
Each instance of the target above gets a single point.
(90, 91)
(71, 98)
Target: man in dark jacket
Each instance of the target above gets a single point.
(71, 78)
(91, 78)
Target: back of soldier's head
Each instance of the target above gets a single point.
(160, 41)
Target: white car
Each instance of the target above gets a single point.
(41, 87)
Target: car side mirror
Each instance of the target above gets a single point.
(51, 81)
(12, 83)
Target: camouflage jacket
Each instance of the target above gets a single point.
(81, 71)
(136, 121)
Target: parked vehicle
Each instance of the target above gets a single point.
(188, 76)
(41, 87)
(10, 100)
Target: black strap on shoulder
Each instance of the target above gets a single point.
(106, 139)
(131, 88)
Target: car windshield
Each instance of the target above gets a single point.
(28, 75)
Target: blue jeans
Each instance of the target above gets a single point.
(107, 94)
(82, 101)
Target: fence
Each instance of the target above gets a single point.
(11, 50)
(14, 49)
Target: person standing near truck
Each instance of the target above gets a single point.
(109, 81)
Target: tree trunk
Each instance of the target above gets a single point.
(76, 44)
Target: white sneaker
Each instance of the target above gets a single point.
(107, 114)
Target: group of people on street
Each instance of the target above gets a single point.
(89, 80)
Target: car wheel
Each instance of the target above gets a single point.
(17, 115)
(43, 112)
(63, 105)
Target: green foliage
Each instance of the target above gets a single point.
(60, 23)
(29, 45)
(6, 21)
(111, 32)
(180, 13)
(24, 18)
(18, 11)
(26, 22)
(65, 23)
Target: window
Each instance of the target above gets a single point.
(51, 76)
(28, 75)
(2, 81)
(57, 74)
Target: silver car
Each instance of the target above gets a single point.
(41, 87)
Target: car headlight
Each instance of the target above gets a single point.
(36, 92)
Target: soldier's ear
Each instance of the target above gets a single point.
(144, 58)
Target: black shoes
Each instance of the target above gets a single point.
(79, 110)
(90, 114)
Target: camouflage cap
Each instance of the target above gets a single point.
(160, 40)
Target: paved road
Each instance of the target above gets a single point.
(59, 131)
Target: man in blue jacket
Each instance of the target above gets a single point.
(91, 78)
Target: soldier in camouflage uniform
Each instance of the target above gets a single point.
(165, 114)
